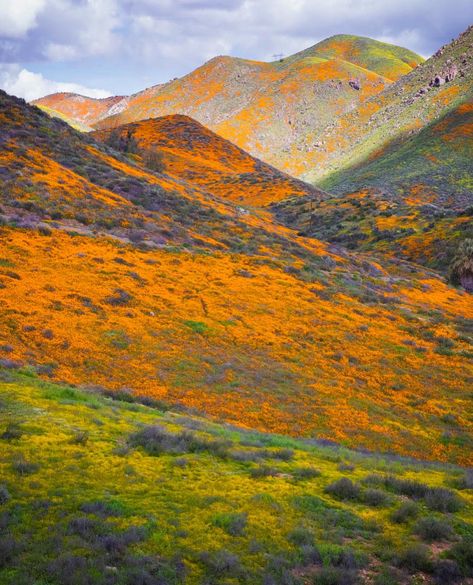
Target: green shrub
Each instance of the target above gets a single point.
(156, 440)
(431, 529)
(461, 268)
(335, 576)
(343, 558)
(442, 500)
(301, 536)
(406, 511)
(9, 547)
(24, 467)
(446, 572)
(302, 473)
(309, 555)
(279, 571)
(4, 494)
(387, 577)
(197, 326)
(283, 454)
(462, 553)
(405, 487)
(119, 298)
(153, 159)
(80, 438)
(376, 498)
(415, 558)
(464, 482)
(13, 431)
(263, 471)
(232, 523)
(343, 489)
(223, 563)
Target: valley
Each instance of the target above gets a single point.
(236, 334)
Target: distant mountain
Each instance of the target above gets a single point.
(404, 183)
(81, 110)
(272, 110)
(128, 277)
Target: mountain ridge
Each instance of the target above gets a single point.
(269, 109)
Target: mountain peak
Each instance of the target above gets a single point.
(390, 61)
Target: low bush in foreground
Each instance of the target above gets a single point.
(127, 494)
(431, 529)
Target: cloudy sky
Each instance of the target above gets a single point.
(104, 47)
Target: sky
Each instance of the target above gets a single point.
(114, 47)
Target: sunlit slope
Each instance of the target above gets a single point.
(85, 111)
(76, 124)
(95, 490)
(115, 275)
(404, 186)
(187, 150)
(290, 349)
(385, 59)
(401, 111)
(273, 110)
(417, 201)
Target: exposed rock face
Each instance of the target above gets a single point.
(451, 73)
(437, 81)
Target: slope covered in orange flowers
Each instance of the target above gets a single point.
(82, 109)
(114, 275)
(400, 112)
(272, 110)
(403, 187)
(187, 150)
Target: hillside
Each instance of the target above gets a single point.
(398, 113)
(387, 60)
(272, 110)
(84, 111)
(112, 492)
(187, 150)
(115, 275)
(405, 186)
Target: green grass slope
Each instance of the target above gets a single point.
(439, 155)
(388, 60)
(403, 184)
(400, 111)
(95, 491)
(76, 124)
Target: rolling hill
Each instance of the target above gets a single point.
(117, 275)
(272, 110)
(187, 150)
(404, 186)
(82, 110)
(213, 373)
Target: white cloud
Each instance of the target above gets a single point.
(17, 17)
(29, 85)
(126, 41)
(60, 52)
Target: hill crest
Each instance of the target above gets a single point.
(272, 110)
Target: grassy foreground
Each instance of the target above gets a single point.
(95, 490)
